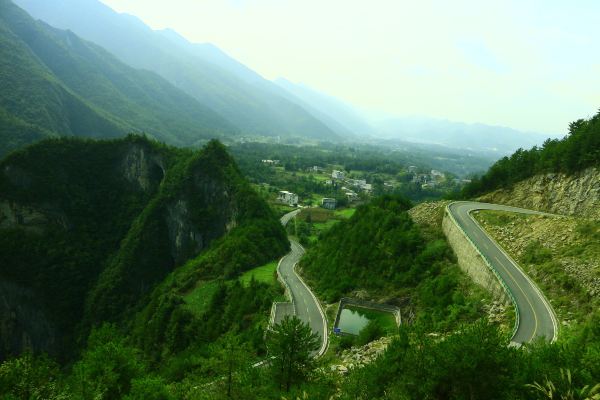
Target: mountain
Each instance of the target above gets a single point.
(475, 137)
(59, 84)
(252, 104)
(338, 115)
(88, 230)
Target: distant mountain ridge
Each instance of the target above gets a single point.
(475, 137)
(58, 84)
(251, 103)
(338, 115)
(206, 94)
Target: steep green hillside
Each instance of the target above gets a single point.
(15, 133)
(578, 150)
(88, 229)
(251, 103)
(62, 85)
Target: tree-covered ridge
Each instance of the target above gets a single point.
(380, 250)
(61, 85)
(102, 223)
(580, 149)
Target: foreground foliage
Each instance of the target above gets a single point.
(475, 362)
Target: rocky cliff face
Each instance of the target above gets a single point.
(13, 214)
(88, 229)
(143, 167)
(577, 194)
(23, 323)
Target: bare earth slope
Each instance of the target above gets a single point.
(577, 194)
(562, 254)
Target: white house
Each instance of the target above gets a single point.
(270, 162)
(351, 196)
(338, 174)
(288, 198)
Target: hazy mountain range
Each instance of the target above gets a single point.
(55, 83)
(251, 103)
(87, 70)
(474, 137)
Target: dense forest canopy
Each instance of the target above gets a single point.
(380, 250)
(88, 229)
(580, 149)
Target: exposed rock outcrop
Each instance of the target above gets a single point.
(577, 194)
(357, 357)
(562, 237)
(143, 167)
(25, 217)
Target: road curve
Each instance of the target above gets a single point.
(535, 317)
(306, 305)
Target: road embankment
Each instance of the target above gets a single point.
(471, 261)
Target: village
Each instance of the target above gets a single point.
(352, 190)
(355, 189)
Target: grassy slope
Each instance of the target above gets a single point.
(265, 273)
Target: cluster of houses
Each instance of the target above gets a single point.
(291, 199)
(351, 186)
(427, 180)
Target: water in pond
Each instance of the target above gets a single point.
(352, 321)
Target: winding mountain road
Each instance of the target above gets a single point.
(306, 305)
(535, 317)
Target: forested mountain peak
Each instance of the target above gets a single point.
(103, 223)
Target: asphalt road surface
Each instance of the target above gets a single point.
(305, 303)
(536, 317)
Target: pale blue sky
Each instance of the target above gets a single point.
(531, 64)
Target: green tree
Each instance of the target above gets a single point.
(149, 388)
(291, 343)
(230, 358)
(107, 367)
(29, 377)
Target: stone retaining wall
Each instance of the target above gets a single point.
(470, 261)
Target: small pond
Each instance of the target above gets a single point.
(352, 321)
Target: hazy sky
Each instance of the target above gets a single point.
(531, 65)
